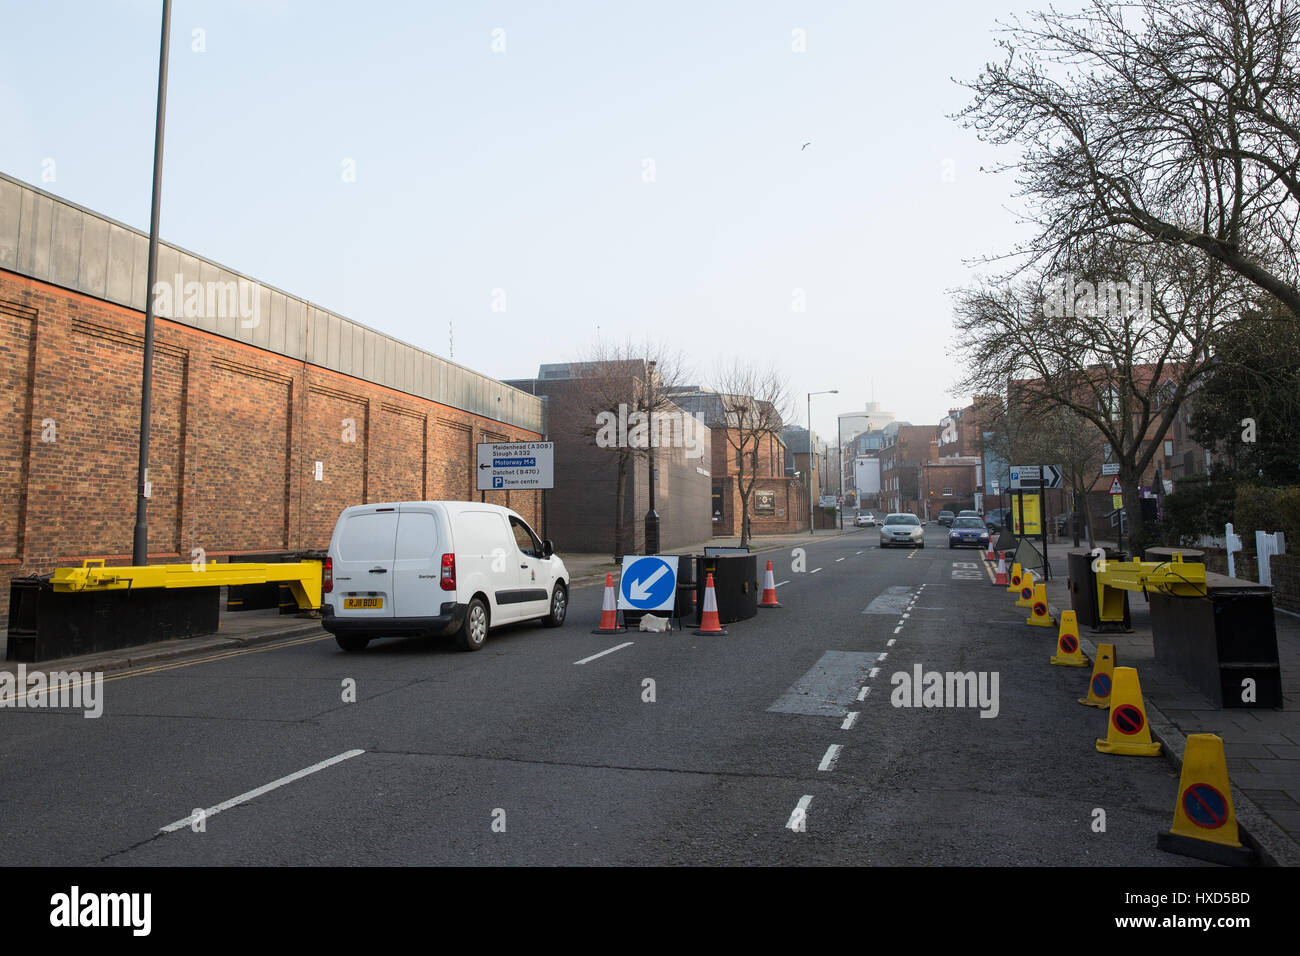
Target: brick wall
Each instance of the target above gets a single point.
(235, 436)
(1285, 569)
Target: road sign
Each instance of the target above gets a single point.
(1115, 488)
(1033, 476)
(1205, 806)
(1127, 719)
(648, 582)
(1110, 468)
(827, 501)
(524, 465)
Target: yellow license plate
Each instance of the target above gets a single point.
(351, 604)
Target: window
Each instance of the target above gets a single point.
(1169, 448)
(525, 539)
(947, 492)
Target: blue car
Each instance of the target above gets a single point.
(968, 532)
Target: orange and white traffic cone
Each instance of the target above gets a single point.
(709, 623)
(769, 588)
(608, 610)
(1002, 570)
(988, 555)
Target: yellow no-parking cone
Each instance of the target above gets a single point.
(1205, 825)
(1127, 730)
(1102, 677)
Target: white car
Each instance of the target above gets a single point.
(867, 520)
(904, 529)
(437, 567)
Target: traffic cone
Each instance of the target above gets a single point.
(1102, 670)
(1127, 730)
(988, 555)
(1002, 571)
(608, 610)
(1013, 583)
(769, 588)
(1205, 826)
(1026, 598)
(1067, 642)
(1039, 615)
(709, 623)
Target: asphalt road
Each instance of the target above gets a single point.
(519, 754)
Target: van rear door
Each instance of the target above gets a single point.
(363, 551)
(417, 565)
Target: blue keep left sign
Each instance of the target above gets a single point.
(648, 582)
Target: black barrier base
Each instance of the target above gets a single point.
(45, 624)
(1204, 850)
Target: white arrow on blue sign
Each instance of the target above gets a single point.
(648, 582)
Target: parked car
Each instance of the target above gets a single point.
(945, 518)
(995, 520)
(437, 567)
(968, 514)
(902, 529)
(865, 520)
(968, 531)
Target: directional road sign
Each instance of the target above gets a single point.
(526, 465)
(648, 582)
(1109, 468)
(1032, 476)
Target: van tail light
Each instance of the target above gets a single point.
(448, 579)
(327, 582)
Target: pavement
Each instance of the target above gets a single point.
(1262, 746)
(786, 742)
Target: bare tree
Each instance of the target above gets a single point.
(1160, 121)
(626, 382)
(1123, 362)
(755, 402)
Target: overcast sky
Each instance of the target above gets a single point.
(635, 169)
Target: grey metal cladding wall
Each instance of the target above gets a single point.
(55, 241)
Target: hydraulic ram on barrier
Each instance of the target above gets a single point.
(1176, 577)
(302, 577)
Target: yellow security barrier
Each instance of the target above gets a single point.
(303, 578)
(1205, 825)
(1176, 576)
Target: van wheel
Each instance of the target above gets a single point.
(559, 606)
(352, 642)
(473, 632)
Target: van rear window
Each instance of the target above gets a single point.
(368, 536)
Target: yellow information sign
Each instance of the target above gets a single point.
(1117, 501)
(1033, 521)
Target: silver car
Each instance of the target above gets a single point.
(902, 529)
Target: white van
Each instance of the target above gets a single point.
(437, 567)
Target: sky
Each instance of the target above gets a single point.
(507, 183)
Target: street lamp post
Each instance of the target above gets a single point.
(808, 463)
(140, 536)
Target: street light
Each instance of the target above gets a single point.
(808, 469)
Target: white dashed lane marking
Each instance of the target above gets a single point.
(799, 815)
(849, 719)
(831, 758)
